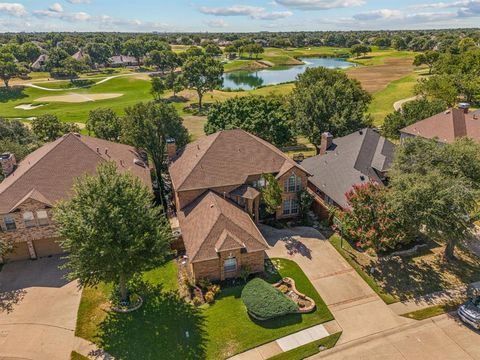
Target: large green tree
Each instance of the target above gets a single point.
(428, 58)
(104, 123)
(264, 116)
(48, 127)
(203, 74)
(111, 230)
(9, 68)
(99, 52)
(327, 100)
(136, 48)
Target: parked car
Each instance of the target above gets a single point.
(470, 312)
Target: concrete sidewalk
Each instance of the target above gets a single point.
(289, 342)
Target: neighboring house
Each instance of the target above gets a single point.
(46, 176)
(122, 61)
(40, 63)
(217, 182)
(353, 159)
(446, 126)
(79, 55)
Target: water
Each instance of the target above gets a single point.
(249, 80)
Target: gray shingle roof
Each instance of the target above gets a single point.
(352, 159)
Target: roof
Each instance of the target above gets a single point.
(79, 55)
(246, 191)
(47, 174)
(211, 224)
(41, 59)
(352, 159)
(121, 59)
(226, 158)
(447, 126)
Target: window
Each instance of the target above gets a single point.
(230, 265)
(293, 184)
(9, 222)
(294, 206)
(286, 207)
(42, 217)
(28, 219)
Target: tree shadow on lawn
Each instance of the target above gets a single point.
(157, 330)
(13, 93)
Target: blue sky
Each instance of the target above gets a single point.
(231, 16)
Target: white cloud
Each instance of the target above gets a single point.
(217, 23)
(274, 15)
(79, 1)
(254, 12)
(319, 4)
(56, 11)
(15, 9)
(56, 8)
(379, 14)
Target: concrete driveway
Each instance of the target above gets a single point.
(38, 310)
(371, 330)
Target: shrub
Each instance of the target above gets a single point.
(263, 301)
(214, 289)
(209, 297)
(197, 301)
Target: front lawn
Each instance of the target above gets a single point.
(407, 277)
(168, 328)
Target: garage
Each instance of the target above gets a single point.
(20, 252)
(46, 247)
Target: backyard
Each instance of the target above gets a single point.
(169, 328)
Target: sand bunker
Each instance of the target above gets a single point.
(78, 98)
(28, 106)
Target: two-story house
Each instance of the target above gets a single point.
(32, 187)
(217, 182)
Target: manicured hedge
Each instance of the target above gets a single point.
(263, 301)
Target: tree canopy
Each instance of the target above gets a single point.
(49, 127)
(104, 123)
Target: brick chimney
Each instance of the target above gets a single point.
(171, 148)
(325, 142)
(464, 106)
(7, 162)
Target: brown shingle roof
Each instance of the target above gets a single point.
(226, 158)
(447, 126)
(212, 223)
(48, 173)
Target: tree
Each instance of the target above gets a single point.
(30, 52)
(49, 128)
(9, 69)
(148, 126)
(135, 48)
(213, 50)
(203, 74)
(305, 201)
(16, 131)
(230, 50)
(56, 56)
(69, 68)
(104, 123)
(435, 189)
(158, 88)
(111, 229)
(264, 116)
(327, 100)
(99, 53)
(440, 87)
(428, 58)
(410, 113)
(360, 49)
(271, 194)
(165, 60)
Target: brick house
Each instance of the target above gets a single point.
(217, 182)
(46, 176)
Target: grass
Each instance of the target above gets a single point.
(345, 249)
(378, 56)
(158, 329)
(309, 349)
(435, 310)
(76, 356)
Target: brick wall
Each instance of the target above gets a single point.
(290, 195)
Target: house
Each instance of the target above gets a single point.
(122, 61)
(217, 182)
(343, 162)
(80, 55)
(40, 63)
(46, 176)
(446, 126)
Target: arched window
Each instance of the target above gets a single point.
(293, 184)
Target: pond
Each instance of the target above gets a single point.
(249, 80)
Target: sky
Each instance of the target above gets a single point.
(235, 16)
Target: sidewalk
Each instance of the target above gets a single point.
(426, 301)
(289, 342)
(90, 350)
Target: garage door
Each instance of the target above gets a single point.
(20, 252)
(46, 247)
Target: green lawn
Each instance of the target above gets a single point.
(76, 356)
(434, 310)
(309, 349)
(158, 329)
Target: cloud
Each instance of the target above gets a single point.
(13, 9)
(56, 11)
(217, 23)
(393, 17)
(379, 14)
(319, 4)
(56, 8)
(254, 12)
(79, 1)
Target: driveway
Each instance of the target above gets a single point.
(371, 330)
(38, 310)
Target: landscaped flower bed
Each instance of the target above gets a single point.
(287, 287)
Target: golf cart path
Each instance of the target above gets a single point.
(397, 105)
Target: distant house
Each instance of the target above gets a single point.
(447, 126)
(343, 162)
(46, 176)
(40, 63)
(80, 55)
(217, 182)
(122, 61)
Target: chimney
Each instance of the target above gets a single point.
(464, 106)
(171, 148)
(7, 162)
(325, 142)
